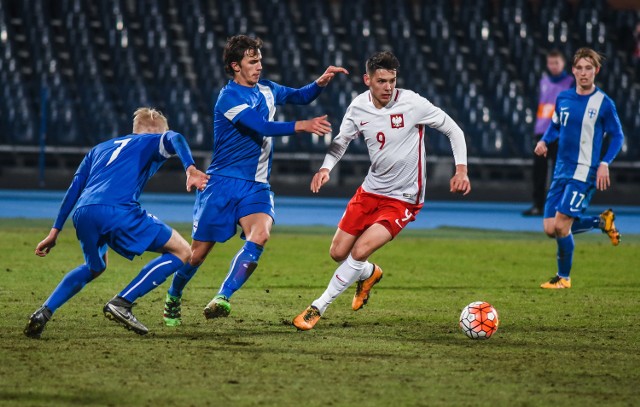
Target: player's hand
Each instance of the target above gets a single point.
(460, 183)
(321, 178)
(318, 125)
(541, 148)
(196, 178)
(602, 177)
(43, 248)
(328, 75)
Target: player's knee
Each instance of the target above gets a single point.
(197, 258)
(259, 237)
(338, 255)
(561, 232)
(360, 253)
(550, 232)
(183, 253)
(97, 273)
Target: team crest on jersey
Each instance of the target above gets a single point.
(592, 112)
(397, 121)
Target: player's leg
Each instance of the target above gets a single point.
(585, 224)
(539, 178)
(347, 273)
(95, 254)
(356, 267)
(172, 314)
(136, 232)
(372, 273)
(575, 200)
(604, 222)
(174, 254)
(211, 223)
(257, 228)
(255, 213)
(341, 245)
(554, 197)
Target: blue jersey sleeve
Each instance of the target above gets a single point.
(74, 191)
(252, 120)
(613, 128)
(553, 131)
(302, 96)
(175, 143)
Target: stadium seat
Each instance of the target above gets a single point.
(473, 59)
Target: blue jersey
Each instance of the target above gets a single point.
(115, 172)
(243, 126)
(580, 123)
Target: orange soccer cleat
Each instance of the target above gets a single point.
(308, 319)
(557, 282)
(606, 224)
(364, 288)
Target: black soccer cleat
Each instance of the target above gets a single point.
(37, 321)
(119, 310)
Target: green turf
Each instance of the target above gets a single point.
(574, 347)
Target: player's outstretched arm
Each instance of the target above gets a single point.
(329, 74)
(44, 247)
(318, 125)
(196, 178)
(460, 181)
(321, 178)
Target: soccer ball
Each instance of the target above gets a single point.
(479, 320)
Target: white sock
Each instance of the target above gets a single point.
(345, 275)
(367, 272)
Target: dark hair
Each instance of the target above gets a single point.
(236, 48)
(382, 60)
(555, 53)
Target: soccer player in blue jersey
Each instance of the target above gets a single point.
(238, 191)
(105, 191)
(582, 117)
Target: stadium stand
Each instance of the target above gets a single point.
(479, 60)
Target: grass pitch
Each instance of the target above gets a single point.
(570, 347)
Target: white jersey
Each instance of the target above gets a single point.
(395, 138)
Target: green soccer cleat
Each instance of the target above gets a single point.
(172, 315)
(218, 307)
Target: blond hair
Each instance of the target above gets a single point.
(149, 120)
(590, 55)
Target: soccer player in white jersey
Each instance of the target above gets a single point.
(392, 123)
(238, 192)
(105, 191)
(582, 117)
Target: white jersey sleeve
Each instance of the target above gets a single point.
(429, 114)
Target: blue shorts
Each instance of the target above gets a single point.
(224, 202)
(128, 231)
(569, 197)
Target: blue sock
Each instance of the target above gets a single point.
(565, 255)
(151, 276)
(70, 285)
(242, 266)
(181, 278)
(585, 224)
